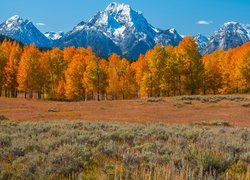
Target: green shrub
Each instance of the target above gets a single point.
(211, 99)
(218, 163)
(246, 104)
(155, 99)
(64, 161)
(53, 109)
(62, 149)
(3, 118)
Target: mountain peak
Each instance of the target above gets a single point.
(231, 23)
(23, 31)
(116, 7)
(14, 18)
(172, 30)
(230, 35)
(13, 23)
(128, 29)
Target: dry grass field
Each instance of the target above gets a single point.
(166, 110)
(187, 137)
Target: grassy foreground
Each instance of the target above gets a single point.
(84, 150)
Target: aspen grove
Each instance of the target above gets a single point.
(78, 74)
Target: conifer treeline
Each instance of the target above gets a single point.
(78, 74)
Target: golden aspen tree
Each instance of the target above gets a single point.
(227, 66)
(29, 71)
(74, 88)
(212, 72)
(170, 72)
(245, 71)
(95, 77)
(152, 79)
(244, 67)
(139, 67)
(113, 82)
(127, 82)
(192, 65)
(57, 66)
(4, 55)
(11, 68)
(68, 54)
(60, 93)
(120, 83)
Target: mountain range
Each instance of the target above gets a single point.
(122, 30)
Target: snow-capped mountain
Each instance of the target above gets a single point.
(127, 29)
(201, 41)
(230, 35)
(247, 27)
(54, 35)
(23, 31)
(101, 44)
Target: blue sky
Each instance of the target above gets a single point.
(183, 15)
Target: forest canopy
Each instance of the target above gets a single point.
(79, 74)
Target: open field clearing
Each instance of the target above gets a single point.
(168, 110)
(187, 137)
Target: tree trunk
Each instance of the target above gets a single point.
(12, 92)
(98, 95)
(5, 92)
(30, 93)
(39, 94)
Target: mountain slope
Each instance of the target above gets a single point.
(247, 27)
(127, 29)
(201, 41)
(230, 35)
(23, 31)
(100, 43)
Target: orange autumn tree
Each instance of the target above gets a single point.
(192, 65)
(171, 72)
(242, 70)
(30, 71)
(95, 77)
(68, 54)
(5, 49)
(213, 72)
(56, 68)
(152, 79)
(139, 68)
(74, 74)
(11, 69)
(121, 83)
(228, 67)
(245, 72)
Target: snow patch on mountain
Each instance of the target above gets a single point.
(247, 27)
(54, 35)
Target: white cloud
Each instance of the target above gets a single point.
(203, 22)
(40, 24)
